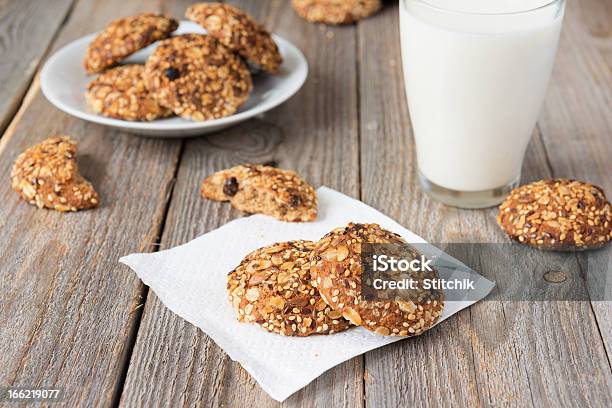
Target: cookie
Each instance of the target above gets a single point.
(197, 77)
(120, 93)
(255, 188)
(123, 37)
(558, 214)
(335, 11)
(46, 175)
(336, 272)
(239, 32)
(272, 287)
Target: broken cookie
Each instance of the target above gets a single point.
(265, 190)
(46, 175)
(197, 77)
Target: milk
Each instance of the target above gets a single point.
(475, 85)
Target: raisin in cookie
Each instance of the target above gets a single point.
(558, 214)
(272, 287)
(336, 271)
(263, 189)
(197, 77)
(123, 37)
(239, 32)
(336, 11)
(120, 93)
(46, 175)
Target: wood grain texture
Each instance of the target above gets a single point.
(596, 18)
(315, 133)
(27, 28)
(495, 353)
(71, 313)
(576, 120)
(68, 310)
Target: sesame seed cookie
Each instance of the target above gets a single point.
(256, 188)
(46, 175)
(335, 11)
(272, 287)
(239, 32)
(336, 271)
(197, 77)
(558, 214)
(123, 37)
(120, 93)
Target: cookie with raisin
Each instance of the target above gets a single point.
(197, 77)
(255, 188)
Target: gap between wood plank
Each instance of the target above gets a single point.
(131, 340)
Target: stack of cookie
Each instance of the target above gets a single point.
(195, 76)
(300, 288)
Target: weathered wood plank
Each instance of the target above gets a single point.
(576, 120)
(27, 28)
(495, 353)
(68, 310)
(314, 133)
(437, 368)
(596, 16)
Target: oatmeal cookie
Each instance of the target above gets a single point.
(272, 287)
(46, 175)
(123, 37)
(120, 93)
(336, 11)
(558, 214)
(256, 188)
(239, 32)
(336, 272)
(197, 77)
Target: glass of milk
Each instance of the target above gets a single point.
(476, 73)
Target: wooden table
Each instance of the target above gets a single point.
(73, 317)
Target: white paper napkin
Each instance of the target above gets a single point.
(191, 281)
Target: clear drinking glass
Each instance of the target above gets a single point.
(476, 73)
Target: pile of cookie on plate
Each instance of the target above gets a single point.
(195, 76)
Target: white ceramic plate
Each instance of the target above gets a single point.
(63, 82)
